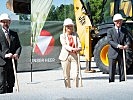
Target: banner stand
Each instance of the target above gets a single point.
(31, 81)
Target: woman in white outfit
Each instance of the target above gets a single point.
(69, 53)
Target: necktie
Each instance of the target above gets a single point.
(118, 35)
(7, 37)
(118, 32)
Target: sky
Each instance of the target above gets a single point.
(59, 2)
(3, 8)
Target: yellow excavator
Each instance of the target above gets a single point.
(93, 37)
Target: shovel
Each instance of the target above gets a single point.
(15, 74)
(124, 61)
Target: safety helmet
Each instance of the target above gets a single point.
(117, 17)
(68, 21)
(4, 16)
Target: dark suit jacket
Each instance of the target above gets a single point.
(114, 40)
(6, 63)
(14, 47)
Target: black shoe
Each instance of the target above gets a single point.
(122, 80)
(10, 90)
(111, 80)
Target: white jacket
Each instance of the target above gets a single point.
(65, 45)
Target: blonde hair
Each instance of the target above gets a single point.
(64, 29)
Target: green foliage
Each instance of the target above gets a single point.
(96, 7)
(60, 13)
(52, 14)
(64, 11)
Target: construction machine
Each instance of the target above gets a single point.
(94, 37)
(123, 7)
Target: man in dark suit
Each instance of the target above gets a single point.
(118, 40)
(10, 48)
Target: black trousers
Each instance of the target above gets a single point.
(5, 87)
(7, 78)
(112, 68)
(2, 80)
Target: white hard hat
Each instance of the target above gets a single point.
(117, 17)
(68, 21)
(4, 16)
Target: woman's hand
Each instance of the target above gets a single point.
(76, 49)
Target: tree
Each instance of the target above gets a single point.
(64, 11)
(61, 12)
(52, 14)
(96, 7)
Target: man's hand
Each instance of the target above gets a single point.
(15, 56)
(120, 46)
(9, 55)
(126, 47)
